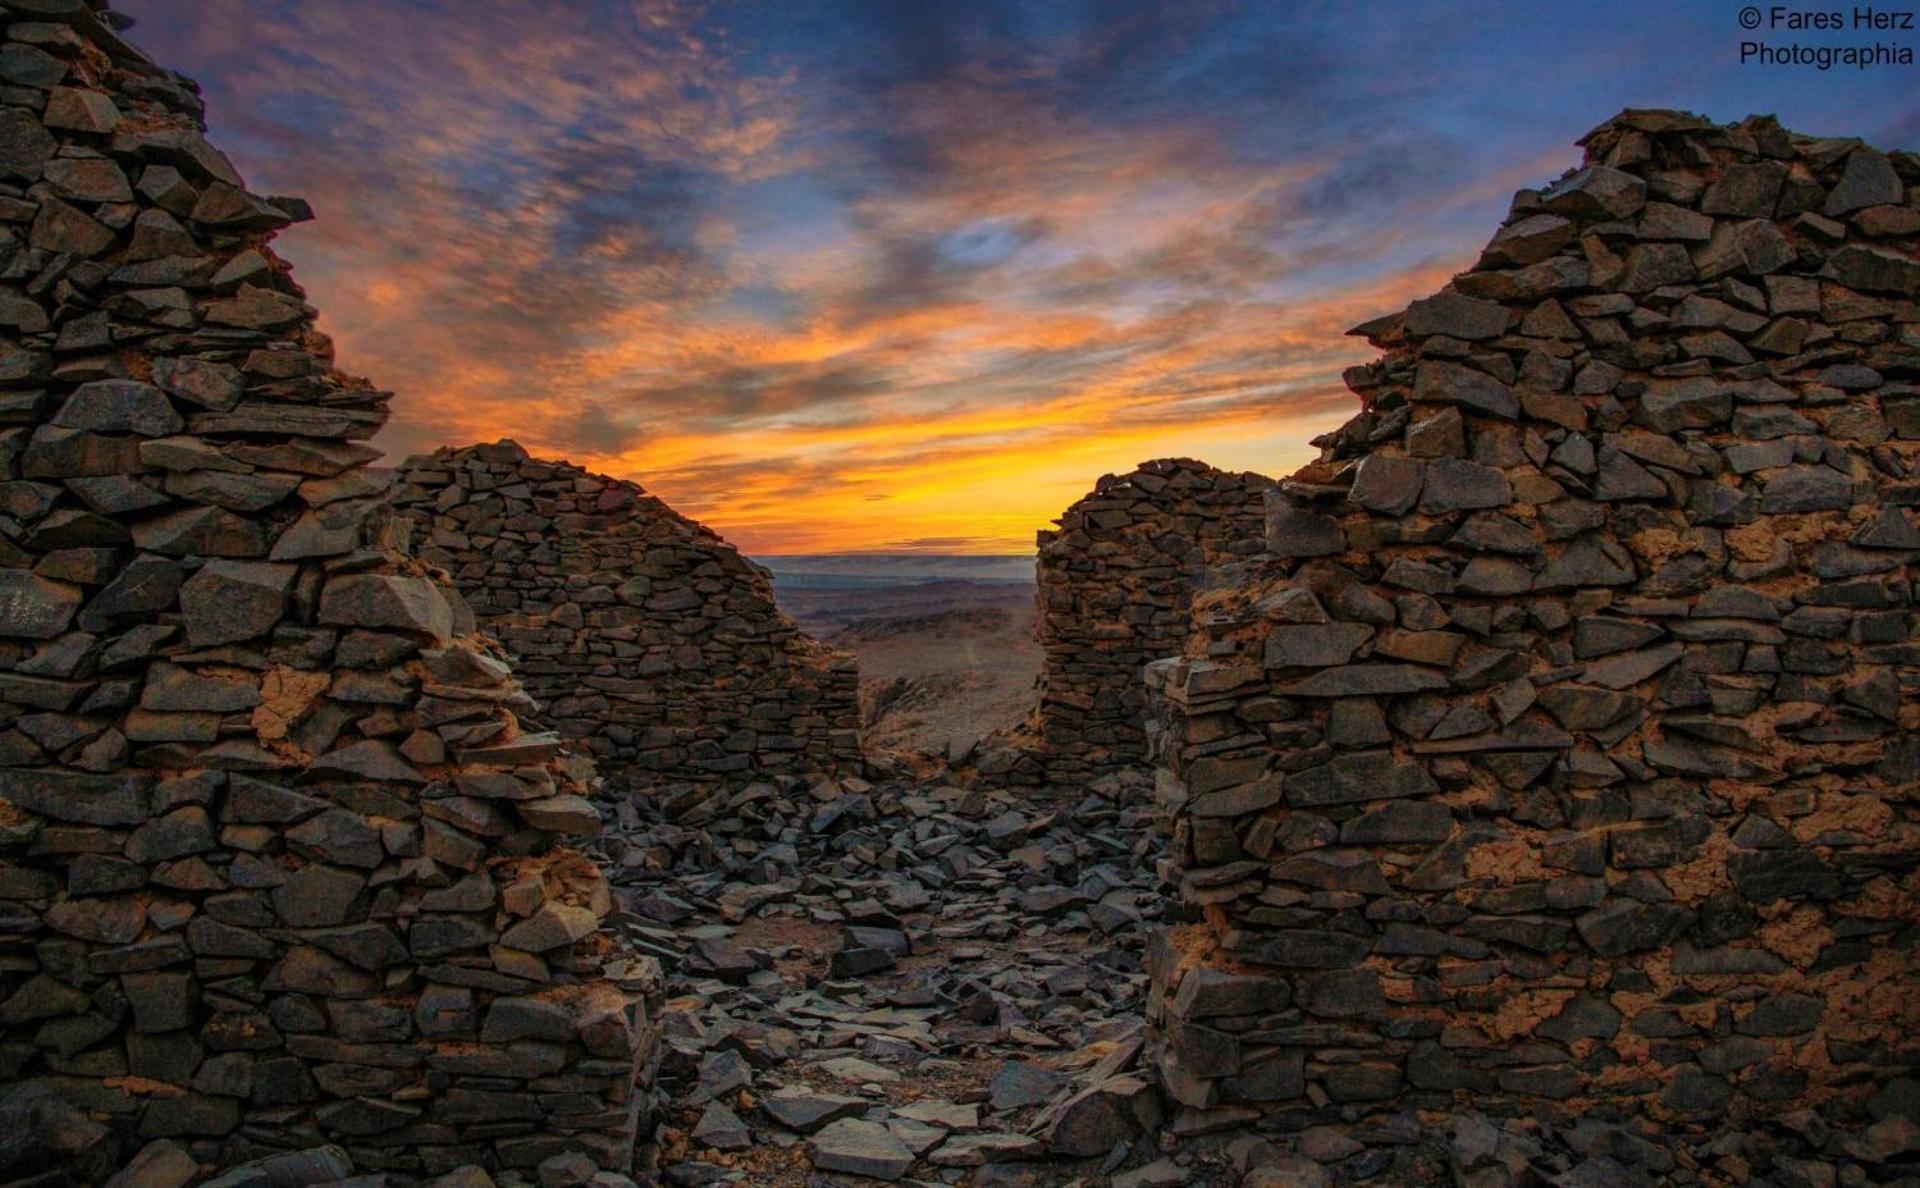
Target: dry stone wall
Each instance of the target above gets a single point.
(648, 640)
(278, 864)
(1561, 751)
(1115, 581)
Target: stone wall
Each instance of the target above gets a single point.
(1561, 751)
(648, 640)
(1115, 579)
(278, 865)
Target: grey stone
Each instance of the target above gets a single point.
(1529, 240)
(1386, 484)
(33, 607)
(1296, 532)
(805, 1111)
(1867, 180)
(1017, 1085)
(861, 1148)
(387, 600)
(229, 601)
(1357, 777)
(1596, 192)
(1453, 484)
(554, 925)
(1745, 191)
(1456, 316)
(120, 406)
(1314, 645)
(1451, 383)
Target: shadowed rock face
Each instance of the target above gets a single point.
(278, 863)
(1115, 581)
(1561, 744)
(649, 641)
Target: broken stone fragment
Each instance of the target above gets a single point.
(805, 1111)
(861, 1148)
(33, 607)
(1596, 192)
(1456, 316)
(1292, 532)
(120, 406)
(1470, 388)
(387, 600)
(227, 601)
(553, 926)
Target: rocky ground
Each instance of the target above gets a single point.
(896, 978)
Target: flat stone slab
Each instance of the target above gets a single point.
(861, 1148)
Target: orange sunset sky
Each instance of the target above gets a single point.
(842, 277)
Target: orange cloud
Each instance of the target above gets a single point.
(816, 319)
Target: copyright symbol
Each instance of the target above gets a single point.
(1749, 17)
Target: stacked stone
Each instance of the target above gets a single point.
(1115, 580)
(649, 640)
(278, 865)
(1561, 752)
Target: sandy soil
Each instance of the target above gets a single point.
(941, 664)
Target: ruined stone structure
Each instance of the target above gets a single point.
(647, 639)
(1561, 749)
(1115, 580)
(278, 865)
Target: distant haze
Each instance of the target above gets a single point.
(847, 571)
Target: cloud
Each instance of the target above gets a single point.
(856, 274)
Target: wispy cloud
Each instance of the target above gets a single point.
(852, 275)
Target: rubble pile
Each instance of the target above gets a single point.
(649, 642)
(1559, 754)
(1115, 579)
(279, 866)
(893, 978)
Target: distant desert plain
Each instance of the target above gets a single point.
(945, 643)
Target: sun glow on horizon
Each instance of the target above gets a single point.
(927, 302)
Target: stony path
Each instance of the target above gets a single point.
(895, 979)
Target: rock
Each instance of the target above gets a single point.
(806, 1111)
(1455, 485)
(1292, 533)
(1596, 192)
(861, 1148)
(1366, 775)
(159, 1164)
(384, 600)
(1457, 317)
(554, 925)
(228, 601)
(1017, 1085)
(721, 1073)
(1868, 180)
(1387, 484)
(975, 1150)
(1528, 240)
(32, 607)
(1476, 391)
(25, 145)
(1102, 1116)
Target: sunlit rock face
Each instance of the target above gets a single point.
(1116, 579)
(1560, 747)
(278, 863)
(649, 641)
